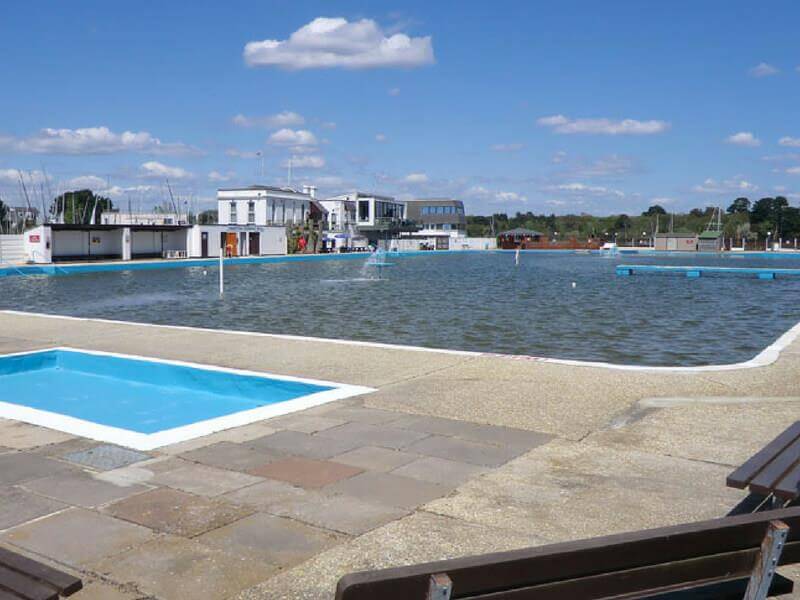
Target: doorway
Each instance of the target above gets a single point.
(204, 244)
(231, 244)
(255, 244)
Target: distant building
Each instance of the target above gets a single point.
(264, 205)
(18, 218)
(341, 225)
(519, 237)
(710, 241)
(376, 217)
(683, 241)
(441, 220)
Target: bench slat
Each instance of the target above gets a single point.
(642, 582)
(744, 474)
(788, 488)
(25, 587)
(766, 480)
(62, 582)
(542, 565)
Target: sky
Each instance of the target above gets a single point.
(567, 107)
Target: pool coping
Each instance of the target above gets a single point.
(151, 441)
(765, 357)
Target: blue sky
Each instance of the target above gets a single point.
(510, 106)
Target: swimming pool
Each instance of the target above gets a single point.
(476, 301)
(146, 403)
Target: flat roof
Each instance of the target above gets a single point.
(80, 227)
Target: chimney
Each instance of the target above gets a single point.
(311, 190)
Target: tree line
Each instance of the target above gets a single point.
(742, 219)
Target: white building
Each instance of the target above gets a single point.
(64, 242)
(263, 205)
(376, 217)
(341, 233)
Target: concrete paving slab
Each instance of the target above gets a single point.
(344, 514)
(270, 539)
(234, 435)
(18, 467)
(173, 568)
(306, 472)
(81, 489)
(59, 449)
(19, 506)
(302, 444)
(99, 590)
(264, 495)
(232, 456)
(176, 512)
(475, 453)
(305, 423)
(373, 458)
(439, 470)
(435, 425)
(362, 414)
(389, 490)
(77, 537)
(105, 457)
(22, 436)
(374, 435)
(204, 481)
(421, 537)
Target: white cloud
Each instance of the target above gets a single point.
(308, 161)
(736, 184)
(285, 118)
(763, 70)
(379, 137)
(156, 170)
(93, 140)
(582, 189)
(743, 138)
(395, 91)
(479, 192)
(562, 124)
(793, 170)
(416, 178)
(507, 147)
(336, 42)
(12, 176)
(87, 182)
(612, 165)
(662, 200)
(216, 176)
(293, 137)
(791, 142)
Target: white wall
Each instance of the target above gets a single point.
(38, 245)
(145, 242)
(273, 240)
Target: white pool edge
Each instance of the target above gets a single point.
(152, 441)
(766, 357)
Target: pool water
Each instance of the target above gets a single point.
(476, 301)
(136, 395)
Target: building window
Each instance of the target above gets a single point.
(274, 210)
(363, 210)
(251, 212)
(233, 217)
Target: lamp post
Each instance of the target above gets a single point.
(766, 247)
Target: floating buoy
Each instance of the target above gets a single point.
(574, 284)
(205, 272)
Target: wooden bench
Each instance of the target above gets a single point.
(772, 474)
(719, 559)
(24, 579)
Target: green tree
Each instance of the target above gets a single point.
(77, 206)
(654, 210)
(207, 217)
(740, 205)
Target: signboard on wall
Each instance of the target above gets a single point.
(96, 240)
(34, 238)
